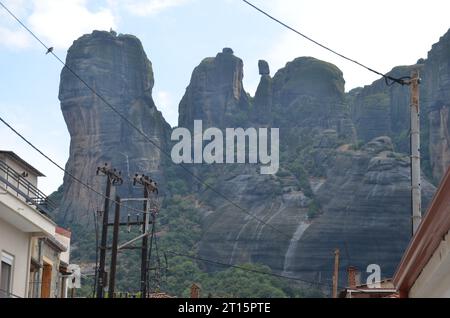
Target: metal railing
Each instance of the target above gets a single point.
(16, 184)
(7, 294)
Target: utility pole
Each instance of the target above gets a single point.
(115, 247)
(144, 262)
(115, 241)
(149, 186)
(113, 178)
(336, 272)
(415, 152)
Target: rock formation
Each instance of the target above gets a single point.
(117, 68)
(326, 195)
(262, 112)
(436, 83)
(344, 176)
(381, 110)
(366, 204)
(215, 93)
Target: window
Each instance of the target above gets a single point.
(6, 270)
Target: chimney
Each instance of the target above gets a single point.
(354, 277)
(195, 291)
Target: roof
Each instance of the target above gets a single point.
(22, 162)
(385, 281)
(63, 232)
(386, 287)
(160, 295)
(53, 243)
(433, 228)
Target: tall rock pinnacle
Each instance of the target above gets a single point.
(117, 68)
(215, 93)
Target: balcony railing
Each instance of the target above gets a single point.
(21, 187)
(7, 294)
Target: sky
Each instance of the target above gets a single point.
(178, 34)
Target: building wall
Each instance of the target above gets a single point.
(64, 240)
(434, 280)
(16, 243)
(50, 256)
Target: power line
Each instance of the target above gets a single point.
(61, 168)
(170, 252)
(124, 118)
(387, 78)
(248, 269)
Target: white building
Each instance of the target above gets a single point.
(27, 234)
(424, 271)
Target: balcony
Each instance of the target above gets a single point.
(18, 186)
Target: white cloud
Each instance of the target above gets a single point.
(12, 35)
(54, 145)
(60, 22)
(56, 22)
(381, 34)
(150, 7)
(14, 39)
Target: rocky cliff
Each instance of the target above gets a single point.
(343, 179)
(327, 194)
(436, 97)
(366, 212)
(216, 93)
(118, 69)
(381, 110)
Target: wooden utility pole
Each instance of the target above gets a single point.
(415, 152)
(149, 187)
(113, 178)
(144, 252)
(336, 272)
(115, 242)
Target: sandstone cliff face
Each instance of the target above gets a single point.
(380, 110)
(360, 198)
(262, 111)
(330, 192)
(437, 98)
(309, 93)
(309, 107)
(366, 205)
(215, 93)
(118, 69)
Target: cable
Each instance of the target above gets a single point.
(400, 81)
(61, 168)
(124, 118)
(249, 270)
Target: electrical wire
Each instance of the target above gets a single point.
(386, 77)
(61, 168)
(248, 269)
(400, 81)
(125, 119)
(171, 252)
